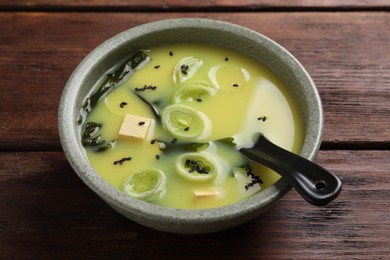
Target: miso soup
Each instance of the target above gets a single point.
(166, 123)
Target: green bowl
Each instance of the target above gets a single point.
(215, 32)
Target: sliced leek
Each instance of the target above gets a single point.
(185, 122)
(228, 78)
(198, 167)
(146, 185)
(186, 69)
(192, 91)
(246, 186)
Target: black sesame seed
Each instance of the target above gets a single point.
(184, 72)
(157, 66)
(174, 140)
(235, 85)
(116, 162)
(122, 104)
(262, 118)
(170, 53)
(226, 58)
(153, 141)
(141, 123)
(187, 128)
(188, 161)
(157, 157)
(199, 99)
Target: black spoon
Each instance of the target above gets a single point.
(315, 184)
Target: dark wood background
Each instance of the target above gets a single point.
(47, 212)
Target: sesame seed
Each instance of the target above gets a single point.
(187, 128)
(226, 58)
(157, 157)
(199, 99)
(141, 123)
(122, 104)
(153, 141)
(235, 85)
(157, 66)
(174, 140)
(170, 53)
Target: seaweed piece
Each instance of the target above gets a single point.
(112, 80)
(228, 141)
(92, 138)
(153, 107)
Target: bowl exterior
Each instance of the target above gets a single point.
(215, 32)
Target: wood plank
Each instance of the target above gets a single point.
(46, 212)
(346, 54)
(193, 5)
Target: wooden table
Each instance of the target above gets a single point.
(47, 212)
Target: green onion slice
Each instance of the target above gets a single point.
(146, 185)
(185, 122)
(228, 78)
(186, 69)
(198, 167)
(192, 91)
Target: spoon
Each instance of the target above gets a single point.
(315, 184)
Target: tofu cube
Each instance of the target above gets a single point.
(134, 126)
(206, 192)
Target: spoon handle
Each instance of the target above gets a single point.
(314, 183)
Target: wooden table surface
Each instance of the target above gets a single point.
(47, 212)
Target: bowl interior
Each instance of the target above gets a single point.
(242, 39)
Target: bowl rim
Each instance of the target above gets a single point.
(79, 162)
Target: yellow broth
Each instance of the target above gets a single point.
(245, 91)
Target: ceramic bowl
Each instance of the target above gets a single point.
(215, 32)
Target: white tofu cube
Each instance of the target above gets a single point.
(134, 126)
(205, 192)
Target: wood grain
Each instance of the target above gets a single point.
(47, 212)
(204, 5)
(346, 54)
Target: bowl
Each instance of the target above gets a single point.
(216, 32)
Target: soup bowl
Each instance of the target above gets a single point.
(247, 41)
